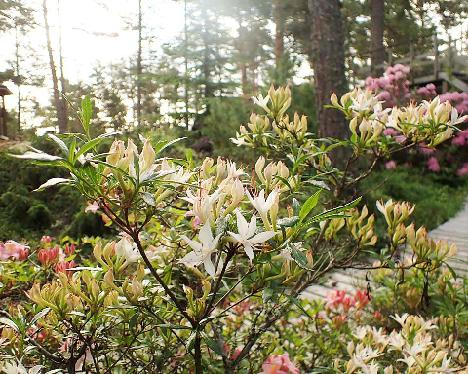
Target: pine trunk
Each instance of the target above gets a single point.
(327, 50)
(58, 101)
(377, 34)
(279, 33)
(139, 68)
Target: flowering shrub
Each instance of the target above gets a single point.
(393, 88)
(209, 259)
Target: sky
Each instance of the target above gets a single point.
(93, 33)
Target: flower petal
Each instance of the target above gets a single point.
(262, 237)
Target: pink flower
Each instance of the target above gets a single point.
(93, 208)
(361, 298)
(463, 170)
(279, 364)
(69, 249)
(337, 299)
(14, 251)
(46, 239)
(433, 164)
(64, 267)
(390, 132)
(390, 164)
(48, 255)
(425, 150)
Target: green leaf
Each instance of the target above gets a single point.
(162, 145)
(310, 204)
(334, 212)
(212, 344)
(8, 322)
(59, 142)
(288, 222)
(53, 182)
(39, 315)
(300, 258)
(148, 198)
(37, 156)
(86, 113)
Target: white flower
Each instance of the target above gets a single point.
(146, 161)
(124, 248)
(247, 236)
(264, 206)
(202, 250)
(262, 101)
(12, 368)
(202, 203)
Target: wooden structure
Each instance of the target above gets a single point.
(445, 64)
(3, 115)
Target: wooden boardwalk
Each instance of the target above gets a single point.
(454, 230)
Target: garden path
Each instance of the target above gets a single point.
(454, 230)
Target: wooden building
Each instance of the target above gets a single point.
(3, 115)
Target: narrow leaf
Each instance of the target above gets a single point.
(310, 204)
(52, 182)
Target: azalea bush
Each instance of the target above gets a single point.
(393, 89)
(198, 245)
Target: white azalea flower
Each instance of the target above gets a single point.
(264, 206)
(262, 102)
(247, 236)
(12, 368)
(202, 250)
(124, 248)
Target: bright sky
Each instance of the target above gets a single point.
(94, 31)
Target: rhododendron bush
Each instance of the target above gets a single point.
(209, 261)
(393, 89)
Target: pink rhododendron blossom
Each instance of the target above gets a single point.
(361, 298)
(458, 99)
(47, 256)
(11, 250)
(463, 170)
(425, 150)
(400, 139)
(46, 239)
(339, 300)
(69, 249)
(391, 164)
(390, 132)
(64, 266)
(93, 208)
(433, 164)
(279, 364)
(461, 138)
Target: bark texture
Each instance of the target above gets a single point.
(59, 102)
(377, 37)
(327, 52)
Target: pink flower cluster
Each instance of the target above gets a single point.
(458, 99)
(427, 92)
(50, 255)
(393, 86)
(338, 300)
(279, 364)
(11, 250)
(461, 138)
(433, 164)
(461, 172)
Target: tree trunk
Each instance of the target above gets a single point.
(139, 68)
(18, 76)
(58, 101)
(63, 103)
(279, 32)
(377, 34)
(327, 49)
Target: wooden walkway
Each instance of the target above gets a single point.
(454, 230)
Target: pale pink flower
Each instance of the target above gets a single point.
(46, 239)
(13, 250)
(65, 266)
(279, 364)
(93, 208)
(433, 164)
(391, 164)
(463, 170)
